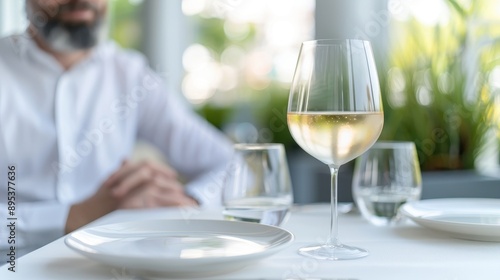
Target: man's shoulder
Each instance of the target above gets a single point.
(129, 65)
(129, 58)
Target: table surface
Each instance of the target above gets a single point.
(406, 251)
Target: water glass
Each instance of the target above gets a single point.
(386, 177)
(257, 186)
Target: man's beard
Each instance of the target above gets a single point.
(68, 36)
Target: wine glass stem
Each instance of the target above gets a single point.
(334, 229)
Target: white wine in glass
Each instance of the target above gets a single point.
(335, 114)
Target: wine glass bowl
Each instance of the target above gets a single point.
(351, 132)
(335, 114)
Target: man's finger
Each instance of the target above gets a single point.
(116, 176)
(167, 185)
(129, 168)
(162, 170)
(136, 178)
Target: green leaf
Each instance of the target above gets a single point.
(458, 8)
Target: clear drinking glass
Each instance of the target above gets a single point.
(335, 114)
(386, 177)
(257, 186)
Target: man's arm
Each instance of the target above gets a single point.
(192, 146)
(132, 186)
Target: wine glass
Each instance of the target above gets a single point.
(335, 114)
(257, 185)
(386, 177)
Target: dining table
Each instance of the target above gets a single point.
(402, 251)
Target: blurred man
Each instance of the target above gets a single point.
(71, 109)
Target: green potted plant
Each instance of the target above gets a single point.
(438, 94)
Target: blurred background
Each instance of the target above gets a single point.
(233, 61)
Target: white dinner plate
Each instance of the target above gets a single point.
(179, 248)
(466, 218)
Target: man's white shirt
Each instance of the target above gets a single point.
(67, 131)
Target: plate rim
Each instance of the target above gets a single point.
(462, 230)
(428, 218)
(268, 251)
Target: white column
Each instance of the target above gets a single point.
(12, 17)
(166, 34)
(359, 19)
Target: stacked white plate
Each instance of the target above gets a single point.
(466, 218)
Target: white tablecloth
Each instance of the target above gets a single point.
(402, 252)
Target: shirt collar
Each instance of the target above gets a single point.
(22, 42)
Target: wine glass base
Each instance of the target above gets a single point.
(333, 252)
